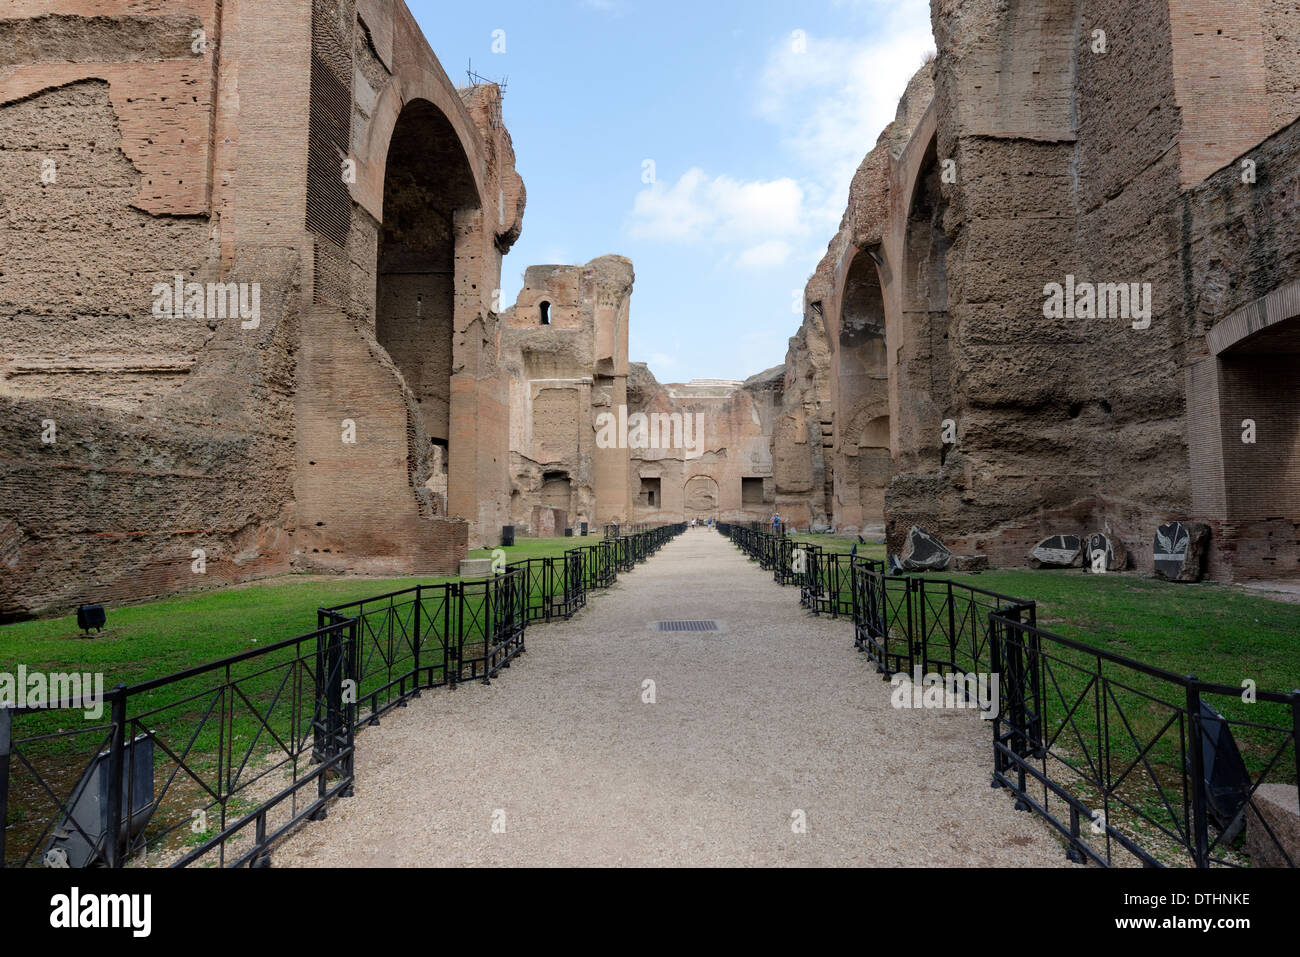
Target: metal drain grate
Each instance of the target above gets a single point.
(688, 626)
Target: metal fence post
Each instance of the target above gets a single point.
(6, 734)
(548, 587)
(909, 592)
(1036, 694)
(1200, 821)
(456, 621)
(1295, 740)
(317, 716)
(995, 667)
(490, 633)
(446, 634)
(1019, 739)
(351, 667)
(415, 645)
(923, 639)
(116, 764)
(952, 630)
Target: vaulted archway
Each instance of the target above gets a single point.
(862, 395)
(428, 188)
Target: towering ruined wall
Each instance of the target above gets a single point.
(286, 153)
(1051, 153)
(723, 466)
(834, 444)
(564, 347)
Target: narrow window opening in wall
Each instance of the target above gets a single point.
(650, 492)
(440, 454)
(545, 309)
(1076, 409)
(751, 491)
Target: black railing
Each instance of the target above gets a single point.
(215, 762)
(218, 762)
(1124, 759)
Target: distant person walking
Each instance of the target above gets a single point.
(776, 524)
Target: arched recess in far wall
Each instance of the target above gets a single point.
(1247, 388)
(428, 184)
(701, 496)
(863, 383)
(924, 364)
(866, 444)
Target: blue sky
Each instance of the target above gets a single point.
(754, 137)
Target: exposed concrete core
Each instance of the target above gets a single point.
(1020, 158)
(315, 159)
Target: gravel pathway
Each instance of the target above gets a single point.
(775, 715)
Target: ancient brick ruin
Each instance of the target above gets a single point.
(1033, 151)
(249, 320)
(565, 347)
(358, 421)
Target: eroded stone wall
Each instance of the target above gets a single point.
(565, 349)
(246, 144)
(1047, 153)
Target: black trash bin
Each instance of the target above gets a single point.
(507, 536)
(568, 533)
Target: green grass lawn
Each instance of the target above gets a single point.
(842, 546)
(265, 717)
(1217, 632)
(539, 547)
(170, 635)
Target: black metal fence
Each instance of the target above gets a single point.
(1130, 763)
(215, 762)
(218, 762)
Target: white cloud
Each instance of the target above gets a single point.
(768, 255)
(830, 103)
(722, 209)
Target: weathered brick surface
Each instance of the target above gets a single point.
(1115, 166)
(564, 373)
(177, 434)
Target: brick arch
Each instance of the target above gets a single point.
(429, 194)
(1244, 436)
(411, 82)
(920, 344)
(862, 426)
(703, 486)
(1263, 325)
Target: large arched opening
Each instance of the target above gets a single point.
(701, 497)
(924, 368)
(1257, 354)
(428, 186)
(862, 386)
